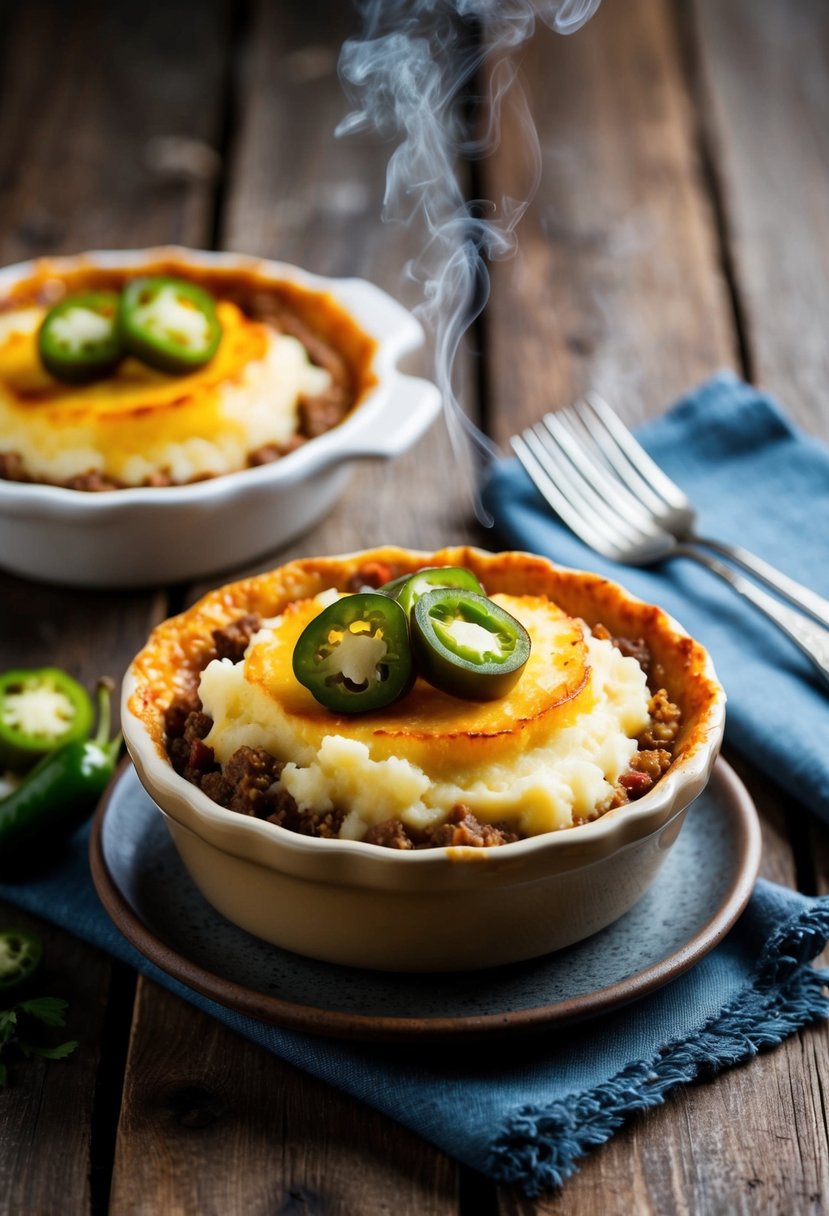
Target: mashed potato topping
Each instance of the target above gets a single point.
(545, 757)
(137, 423)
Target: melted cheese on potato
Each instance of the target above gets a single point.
(138, 422)
(542, 758)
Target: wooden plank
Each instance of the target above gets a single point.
(708, 1149)
(45, 626)
(764, 83)
(294, 1145)
(308, 197)
(303, 196)
(42, 1152)
(90, 92)
(46, 1155)
(86, 89)
(89, 634)
(220, 1126)
(618, 285)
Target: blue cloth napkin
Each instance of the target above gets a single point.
(758, 482)
(525, 1110)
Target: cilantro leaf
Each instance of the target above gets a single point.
(21, 1029)
(54, 1053)
(47, 1009)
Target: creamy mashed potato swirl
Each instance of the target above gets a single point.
(545, 759)
(138, 422)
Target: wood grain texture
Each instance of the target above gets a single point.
(616, 286)
(43, 626)
(764, 91)
(85, 89)
(302, 196)
(296, 191)
(764, 102)
(619, 285)
(727, 1145)
(213, 1125)
(44, 1154)
(88, 90)
(277, 1141)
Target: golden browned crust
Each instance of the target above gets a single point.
(51, 280)
(178, 648)
(251, 301)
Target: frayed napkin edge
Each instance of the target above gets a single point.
(539, 1147)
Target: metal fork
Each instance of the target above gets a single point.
(606, 488)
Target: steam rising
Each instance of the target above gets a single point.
(407, 77)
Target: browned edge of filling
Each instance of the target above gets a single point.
(329, 334)
(245, 783)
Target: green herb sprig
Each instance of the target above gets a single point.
(21, 1029)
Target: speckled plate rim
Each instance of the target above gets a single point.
(308, 1019)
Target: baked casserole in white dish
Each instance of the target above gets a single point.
(437, 831)
(139, 474)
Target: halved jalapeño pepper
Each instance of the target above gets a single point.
(355, 656)
(408, 589)
(169, 324)
(467, 645)
(41, 709)
(58, 795)
(79, 339)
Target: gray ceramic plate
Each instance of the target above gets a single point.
(702, 888)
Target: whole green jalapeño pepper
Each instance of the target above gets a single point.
(355, 656)
(40, 710)
(467, 645)
(20, 955)
(169, 324)
(59, 793)
(79, 339)
(408, 589)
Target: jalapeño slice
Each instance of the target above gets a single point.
(59, 793)
(408, 589)
(169, 324)
(79, 339)
(41, 709)
(20, 955)
(355, 656)
(467, 645)
(394, 586)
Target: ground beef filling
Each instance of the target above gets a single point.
(247, 782)
(316, 414)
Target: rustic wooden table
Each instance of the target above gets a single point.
(681, 225)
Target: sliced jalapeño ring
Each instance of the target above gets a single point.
(170, 324)
(408, 589)
(41, 709)
(20, 955)
(355, 656)
(79, 339)
(467, 645)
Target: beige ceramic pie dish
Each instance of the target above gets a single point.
(440, 908)
(149, 535)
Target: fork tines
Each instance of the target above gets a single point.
(586, 481)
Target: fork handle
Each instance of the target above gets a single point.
(802, 597)
(808, 636)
